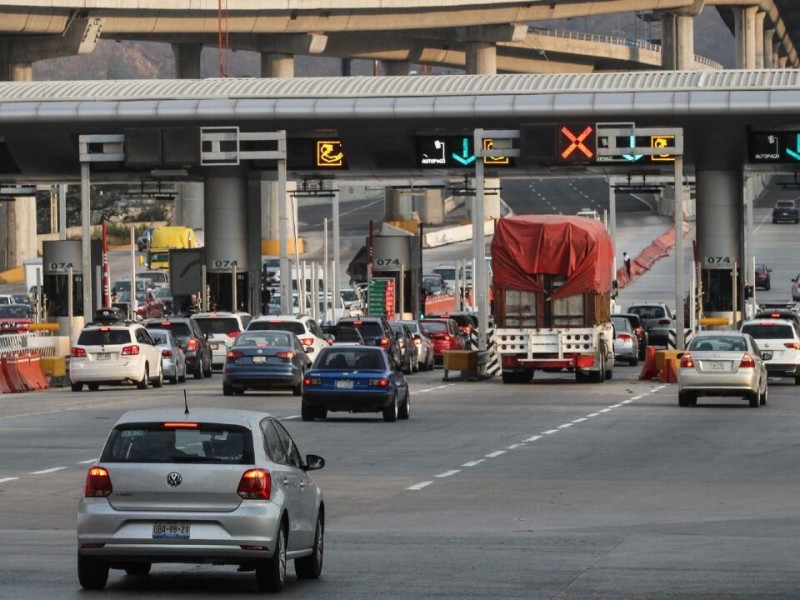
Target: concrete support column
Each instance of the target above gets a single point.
(758, 40)
(396, 67)
(669, 42)
(684, 54)
(253, 233)
(274, 64)
(769, 49)
(396, 205)
(189, 205)
(719, 232)
(187, 60)
(431, 207)
(745, 34)
(481, 58)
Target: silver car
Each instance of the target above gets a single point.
(424, 346)
(626, 345)
(723, 363)
(173, 359)
(214, 486)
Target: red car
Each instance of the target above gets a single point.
(147, 305)
(15, 318)
(445, 335)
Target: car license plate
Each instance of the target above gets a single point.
(259, 359)
(344, 384)
(173, 530)
(214, 345)
(103, 356)
(716, 365)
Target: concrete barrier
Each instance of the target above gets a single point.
(10, 367)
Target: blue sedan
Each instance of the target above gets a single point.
(355, 379)
(264, 360)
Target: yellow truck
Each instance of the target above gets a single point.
(168, 238)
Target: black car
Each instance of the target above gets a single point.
(193, 341)
(762, 277)
(780, 313)
(376, 331)
(785, 210)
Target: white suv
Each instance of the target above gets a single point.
(304, 327)
(780, 338)
(221, 328)
(112, 351)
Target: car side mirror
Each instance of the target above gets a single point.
(314, 462)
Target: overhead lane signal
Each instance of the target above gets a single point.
(577, 143)
(774, 147)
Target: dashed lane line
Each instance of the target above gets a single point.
(562, 427)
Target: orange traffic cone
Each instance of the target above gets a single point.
(649, 368)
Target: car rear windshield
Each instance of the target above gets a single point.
(768, 331)
(212, 325)
(435, 326)
(719, 344)
(784, 204)
(179, 330)
(15, 311)
(337, 359)
(104, 337)
(154, 443)
(292, 326)
(369, 329)
(648, 312)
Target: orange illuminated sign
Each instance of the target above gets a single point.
(330, 154)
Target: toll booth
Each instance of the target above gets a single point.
(186, 269)
(59, 259)
(397, 256)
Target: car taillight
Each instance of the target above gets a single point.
(234, 354)
(379, 383)
(166, 353)
(98, 483)
(624, 337)
(307, 341)
(287, 354)
(792, 345)
(384, 342)
(255, 484)
(78, 352)
(233, 334)
(130, 351)
(312, 381)
(747, 362)
(687, 362)
(191, 345)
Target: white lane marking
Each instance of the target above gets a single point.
(604, 410)
(495, 454)
(592, 415)
(534, 438)
(419, 486)
(550, 431)
(46, 471)
(565, 425)
(581, 420)
(472, 463)
(8, 479)
(514, 446)
(87, 462)
(628, 401)
(447, 473)
(615, 406)
(438, 387)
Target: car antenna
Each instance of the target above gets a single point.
(185, 403)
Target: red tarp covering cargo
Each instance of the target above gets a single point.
(529, 245)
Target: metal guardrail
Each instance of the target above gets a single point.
(39, 342)
(615, 41)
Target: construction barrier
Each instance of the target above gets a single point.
(30, 367)
(669, 372)
(9, 365)
(5, 386)
(440, 303)
(649, 371)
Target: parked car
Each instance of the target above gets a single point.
(641, 333)
(376, 332)
(723, 363)
(762, 276)
(408, 350)
(424, 345)
(173, 360)
(355, 379)
(265, 360)
(785, 210)
(207, 485)
(781, 340)
(626, 345)
(221, 328)
(114, 352)
(304, 327)
(444, 334)
(192, 340)
(657, 320)
(15, 318)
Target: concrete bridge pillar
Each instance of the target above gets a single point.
(397, 205)
(745, 34)
(677, 43)
(189, 200)
(430, 207)
(770, 54)
(758, 40)
(18, 234)
(276, 64)
(396, 67)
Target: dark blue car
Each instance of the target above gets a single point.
(355, 379)
(264, 360)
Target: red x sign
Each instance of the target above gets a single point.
(577, 146)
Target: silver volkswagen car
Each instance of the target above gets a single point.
(214, 486)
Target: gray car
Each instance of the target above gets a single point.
(424, 346)
(221, 486)
(657, 320)
(723, 363)
(173, 360)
